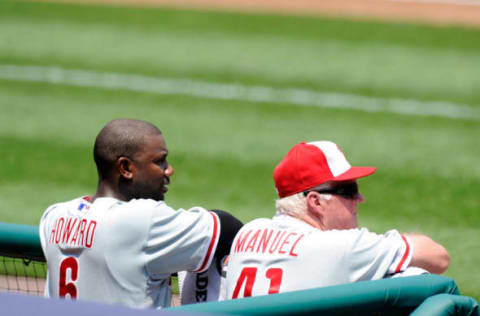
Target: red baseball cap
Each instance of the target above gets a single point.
(308, 165)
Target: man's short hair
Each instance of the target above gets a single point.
(294, 205)
(122, 137)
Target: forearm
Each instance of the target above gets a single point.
(428, 254)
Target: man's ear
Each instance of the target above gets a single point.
(125, 167)
(315, 203)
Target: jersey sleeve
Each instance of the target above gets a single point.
(372, 256)
(181, 240)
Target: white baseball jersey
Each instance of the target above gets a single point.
(117, 252)
(286, 254)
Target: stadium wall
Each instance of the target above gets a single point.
(422, 295)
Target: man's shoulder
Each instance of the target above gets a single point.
(143, 204)
(330, 241)
(257, 223)
(158, 213)
(159, 207)
(59, 206)
(84, 206)
(60, 209)
(352, 234)
(352, 238)
(134, 207)
(274, 224)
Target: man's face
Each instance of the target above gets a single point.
(152, 169)
(340, 211)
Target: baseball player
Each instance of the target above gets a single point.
(314, 240)
(121, 245)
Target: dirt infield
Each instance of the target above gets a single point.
(441, 12)
(13, 284)
(34, 286)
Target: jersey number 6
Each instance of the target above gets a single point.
(71, 264)
(248, 276)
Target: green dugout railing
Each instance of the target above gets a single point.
(418, 295)
(447, 304)
(20, 241)
(399, 296)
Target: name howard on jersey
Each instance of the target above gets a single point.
(268, 241)
(73, 232)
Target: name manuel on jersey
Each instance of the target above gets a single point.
(73, 232)
(268, 241)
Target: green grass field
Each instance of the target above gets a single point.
(224, 147)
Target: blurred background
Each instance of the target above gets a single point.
(233, 85)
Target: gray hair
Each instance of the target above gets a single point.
(295, 205)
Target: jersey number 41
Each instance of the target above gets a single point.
(248, 277)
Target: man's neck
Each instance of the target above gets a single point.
(312, 221)
(104, 189)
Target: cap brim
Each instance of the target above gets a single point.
(355, 173)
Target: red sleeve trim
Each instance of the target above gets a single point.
(405, 255)
(213, 242)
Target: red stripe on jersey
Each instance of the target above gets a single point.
(212, 242)
(405, 255)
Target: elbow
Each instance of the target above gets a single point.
(441, 263)
(444, 261)
(429, 255)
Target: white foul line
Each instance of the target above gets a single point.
(238, 92)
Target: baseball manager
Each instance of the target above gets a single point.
(314, 239)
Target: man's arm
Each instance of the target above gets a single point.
(427, 254)
(205, 286)
(230, 225)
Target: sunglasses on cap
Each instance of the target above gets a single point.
(347, 191)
